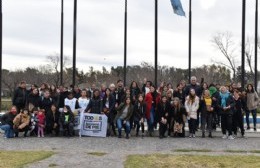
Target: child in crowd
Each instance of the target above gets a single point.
(41, 122)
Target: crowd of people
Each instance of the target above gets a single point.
(48, 110)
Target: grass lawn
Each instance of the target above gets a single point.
(15, 159)
(191, 161)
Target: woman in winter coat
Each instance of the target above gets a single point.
(21, 123)
(151, 99)
(124, 113)
(252, 103)
(139, 114)
(95, 105)
(109, 102)
(52, 121)
(226, 104)
(163, 111)
(192, 106)
(238, 116)
(207, 111)
(178, 116)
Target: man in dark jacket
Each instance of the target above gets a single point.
(20, 96)
(95, 105)
(46, 101)
(7, 123)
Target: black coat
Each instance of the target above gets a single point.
(8, 119)
(62, 118)
(119, 94)
(178, 114)
(46, 103)
(52, 118)
(34, 99)
(139, 111)
(229, 102)
(95, 106)
(196, 87)
(180, 95)
(163, 110)
(20, 97)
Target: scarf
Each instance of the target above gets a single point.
(224, 97)
(208, 101)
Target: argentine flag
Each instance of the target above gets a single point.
(177, 7)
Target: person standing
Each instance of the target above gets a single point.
(20, 97)
(226, 104)
(252, 103)
(192, 106)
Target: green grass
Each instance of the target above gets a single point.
(235, 151)
(18, 159)
(255, 151)
(192, 150)
(53, 165)
(97, 153)
(191, 161)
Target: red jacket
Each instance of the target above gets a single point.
(149, 99)
(41, 119)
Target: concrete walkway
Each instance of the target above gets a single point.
(73, 152)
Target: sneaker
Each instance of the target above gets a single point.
(230, 137)
(190, 136)
(193, 136)
(224, 136)
(203, 135)
(142, 135)
(127, 136)
(248, 128)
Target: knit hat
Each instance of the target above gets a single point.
(212, 90)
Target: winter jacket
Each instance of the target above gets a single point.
(41, 119)
(46, 103)
(179, 114)
(34, 100)
(8, 118)
(21, 120)
(149, 102)
(63, 118)
(163, 110)
(139, 111)
(95, 106)
(52, 118)
(119, 94)
(20, 97)
(196, 87)
(120, 110)
(229, 102)
(252, 101)
(192, 108)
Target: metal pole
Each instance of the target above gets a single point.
(1, 40)
(256, 42)
(125, 43)
(190, 26)
(243, 44)
(61, 44)
(74, 42)
(156, 44)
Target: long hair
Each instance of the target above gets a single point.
(192, 97)
(253, 89)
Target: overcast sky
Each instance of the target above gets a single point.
(31, 31)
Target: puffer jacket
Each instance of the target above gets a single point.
(21, 120)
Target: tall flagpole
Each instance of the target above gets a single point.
(243, 43)
(74, 42)
(156, 44)
(256, 41)
(61, 44)
(125, 43)
(1, 40)
(190, 28)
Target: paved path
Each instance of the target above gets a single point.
(73, 152)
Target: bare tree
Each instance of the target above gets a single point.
(224, 42)
(54, 64)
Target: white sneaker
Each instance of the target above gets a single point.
(190, 136)
(193, 136)
(230, 137)
(224, 136)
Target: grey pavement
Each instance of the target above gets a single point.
(73, 152)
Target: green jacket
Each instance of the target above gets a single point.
(120, 110)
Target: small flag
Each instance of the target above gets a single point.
(177, 7)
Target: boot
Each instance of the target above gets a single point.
(203, 134)
(127, 136)
(210, 135)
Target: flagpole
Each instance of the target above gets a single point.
(74, 42)
(61, 44)
(125, 43)
(243, 43)
(1, 40)
(256, 42)
(190, 29)
(156, 44)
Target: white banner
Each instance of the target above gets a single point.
(93, 125)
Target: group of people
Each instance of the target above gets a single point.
(50, 110)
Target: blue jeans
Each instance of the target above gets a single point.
(150, 121)
(254, 117)
(119, 122)
(9, 132)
